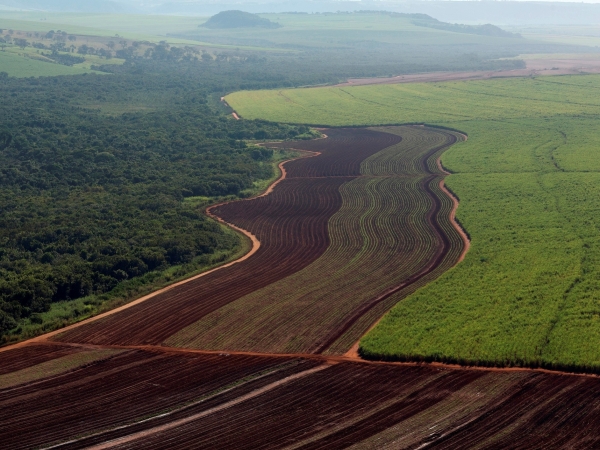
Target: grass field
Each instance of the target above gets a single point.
(136, 27)
(527, 178)
(343, 30)
(17, 65)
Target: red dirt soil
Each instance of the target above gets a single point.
(178, 399)
(304, 404)
(18, 358)
(290, 223)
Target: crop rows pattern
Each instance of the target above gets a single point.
(392, 230)
(143, 399)
(377, 229)
(291, 225)
(129, 386)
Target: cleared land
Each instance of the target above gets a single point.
(536, 65)
(391, 234)
(19, 66)
(144, 399)
(120, 396)
(291, 223)
(527, 178)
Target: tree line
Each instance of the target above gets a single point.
(92, 190)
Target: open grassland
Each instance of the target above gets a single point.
(129, 26)
(424, 102)
(527, 178)
(343, 30)
(256, 402)
(18, 65)
(391, 232)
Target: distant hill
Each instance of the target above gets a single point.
(238, 19)
(484, 30)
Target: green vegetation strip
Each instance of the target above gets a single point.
(528, 292)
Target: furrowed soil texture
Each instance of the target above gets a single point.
(291, 224)
(527, 293)
(375, 224)
(164, 398)
(392, 234)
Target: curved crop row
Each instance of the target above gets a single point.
(390, 232)
(290, 223)
(23, 357)
(416, 155)
(238, 402)
(331, 409)
(342, 153)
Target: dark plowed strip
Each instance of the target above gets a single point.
(293, 412)
(110, 393)
(31, 355)
(341, 153)
(548, 411)
(291, 225)
(228, 395)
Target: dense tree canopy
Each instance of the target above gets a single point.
(94, 171)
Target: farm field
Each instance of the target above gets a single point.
(291, 224)
(527, 178)
(16, 65)
(392, 233)
(242, 401)
(395, 266)
(132, 390)
(128, 26)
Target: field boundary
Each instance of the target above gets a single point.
(329, 359)
(255, 246)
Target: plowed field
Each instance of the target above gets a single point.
(345, 235)
(168, 399)
(290, 223)
(392, 231)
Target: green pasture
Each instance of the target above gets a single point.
(588, 35)
(528, 178)
(18, 65)
(98, 24)
(423, 102)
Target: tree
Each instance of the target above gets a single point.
(72, 38)
(5, 136)
(110, 44)
(123, 44)
(58, 47)
(22, 43)
(6, 322)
